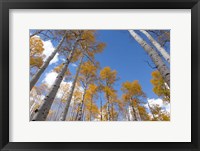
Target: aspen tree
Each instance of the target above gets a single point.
(160, 65)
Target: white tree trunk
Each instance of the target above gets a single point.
(134, 114)
(157, 45)
(108, 110)
(32, 110)
(32, 106)
(36, 77)
(130, 114)
(150, 110)
(64, 114)
(43, 111)
(160, 65)
(80, 113)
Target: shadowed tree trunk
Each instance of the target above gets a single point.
(79, 106)
(134, 114)
(36, 77)
(64, 114)
(157, 45)
(160, 65)
(43, 111)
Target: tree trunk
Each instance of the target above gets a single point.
(72, 112)
(128, 114)
(101, 109)
(91, 110)
(80, 113)
(151, 110)
(157, 45)
(32, 110)
(59, 106)
(108, 110)
(138, 114)
(69, 98)
(160, 65)
(79, 106)
(32, 107)
(134, 114)
(36, 77)
(112, 109)
(43, 111)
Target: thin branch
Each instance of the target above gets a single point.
(36, 33)
(150, 65)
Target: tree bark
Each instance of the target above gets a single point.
(91, 110)
(101, 109)
(32, 110)
(60, 104)
(129, 114)
(138, 114)
(157, 45)
(73, 112)
(80, 113)
(108, 109)
(134, 114)
(151, 110)
(160, 65)
(43, 111)
(112, 109)
(36, 77)
(63, 117)
(79, 106)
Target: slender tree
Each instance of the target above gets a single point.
(77, 96)
(132, 93)
(87, 76)
(69, 98)
(88, 48)
(160, 65)
(157, 45)
(150, 109)
(64, 92)
(108, 77)
(91, 93)
(43, 111)
(143, 113)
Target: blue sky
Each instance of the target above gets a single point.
(123, 54)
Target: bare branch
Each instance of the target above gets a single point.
(36, 33)
(150, 65)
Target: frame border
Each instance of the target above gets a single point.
(5, 5)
